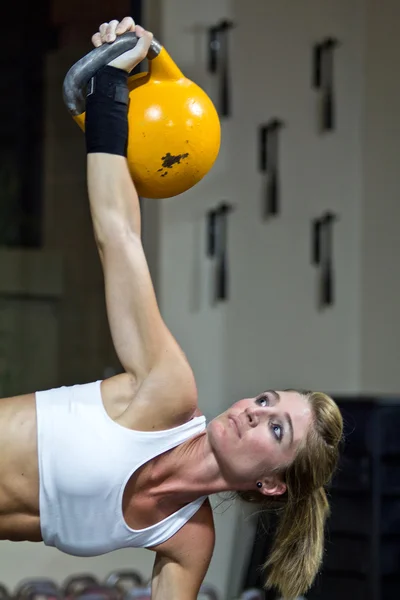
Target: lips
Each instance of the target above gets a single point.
(235, 424)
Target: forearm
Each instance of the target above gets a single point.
(173, 580)
(182, 592)
(114, 202)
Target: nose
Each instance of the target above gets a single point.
(252, 416)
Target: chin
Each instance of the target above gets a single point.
(216, 430)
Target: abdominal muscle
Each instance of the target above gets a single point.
(19, 475)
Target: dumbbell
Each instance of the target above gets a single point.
(252, 594)
(31, 588)
(98, 592)
(79, 583)
(142, 592)
(207, 592)
(124, 580)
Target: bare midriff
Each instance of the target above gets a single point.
(19, 476)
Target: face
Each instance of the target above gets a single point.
(256, 436)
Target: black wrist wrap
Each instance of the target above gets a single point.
(106, 120)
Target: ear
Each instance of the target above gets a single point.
(272, 486)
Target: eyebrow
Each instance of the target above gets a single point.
(274, 393)
(289, 422)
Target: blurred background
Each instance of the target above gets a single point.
(291, 316)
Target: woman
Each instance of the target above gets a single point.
(129, 461)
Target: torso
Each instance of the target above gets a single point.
(19, 478)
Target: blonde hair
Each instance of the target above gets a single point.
(297, 550)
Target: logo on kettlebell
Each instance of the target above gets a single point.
(169, 160)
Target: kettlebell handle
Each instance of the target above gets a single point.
(82, 71)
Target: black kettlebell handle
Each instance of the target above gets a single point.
(82, 71)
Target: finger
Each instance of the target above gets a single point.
(127, 24)
(110, 34)
(140, 31)
(96, 40)
(143, 45)
(103, 32)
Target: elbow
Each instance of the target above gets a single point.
(116, 231)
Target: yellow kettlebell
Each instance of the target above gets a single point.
(174, 128)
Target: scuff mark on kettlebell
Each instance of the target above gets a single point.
(169, 160)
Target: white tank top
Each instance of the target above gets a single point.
(85, 462)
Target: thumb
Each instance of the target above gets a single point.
(144, 41)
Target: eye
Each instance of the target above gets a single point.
(277, 431)
(263, 400)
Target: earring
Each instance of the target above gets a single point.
(259, 484)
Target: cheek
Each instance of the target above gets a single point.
(266, 453)
(261, 444)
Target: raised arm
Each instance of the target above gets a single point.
(142, 341)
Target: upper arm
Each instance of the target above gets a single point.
(179, 572)
(139, 334)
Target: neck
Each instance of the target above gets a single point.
(189, 471)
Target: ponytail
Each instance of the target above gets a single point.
(298, 547)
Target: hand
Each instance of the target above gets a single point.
(108, 33)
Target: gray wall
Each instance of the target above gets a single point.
(380, 289)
